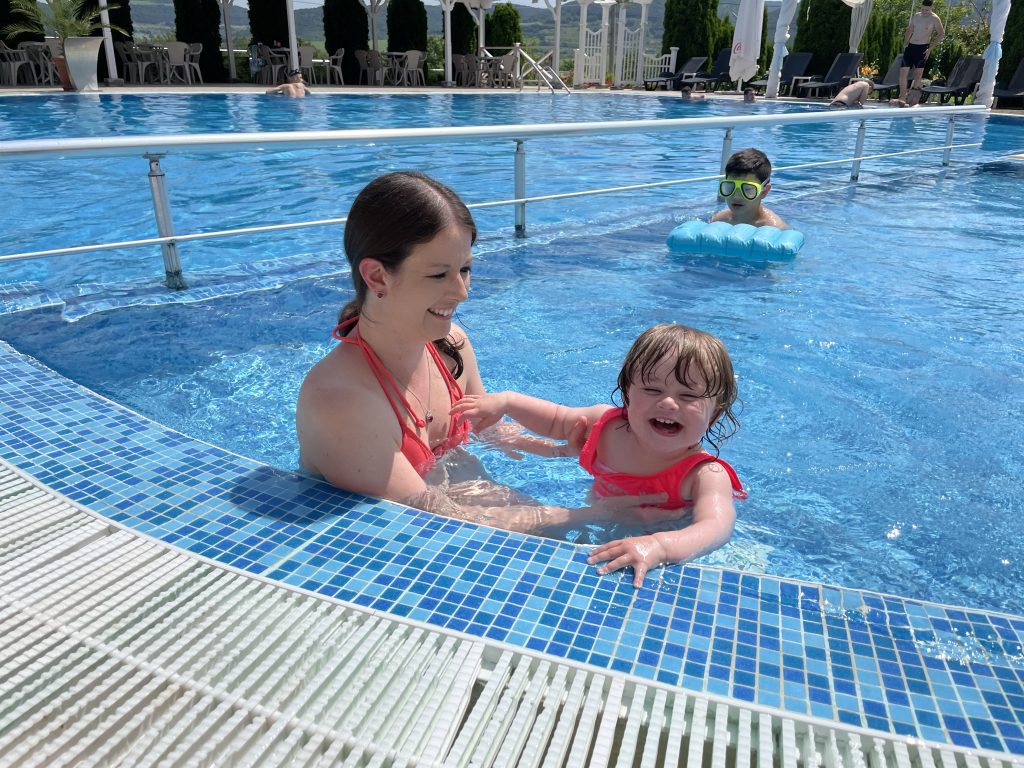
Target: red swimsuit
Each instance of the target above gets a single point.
(610, 483)
(414, 449)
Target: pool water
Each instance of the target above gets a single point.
(881, 372)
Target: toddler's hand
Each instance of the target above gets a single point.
(482, 411)
(641, 552)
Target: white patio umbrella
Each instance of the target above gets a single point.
(786, 15)
(861, 11)
(373, 7)
(746, 40)
(446, 10)
(225, 9)
(108, 42)
(994, 51)
(293, 42)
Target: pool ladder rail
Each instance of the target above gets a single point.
(119, 650)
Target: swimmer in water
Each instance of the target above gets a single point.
(746, 182)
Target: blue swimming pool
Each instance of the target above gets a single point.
(881, 372)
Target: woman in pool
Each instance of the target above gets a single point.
(677, 390)
(372, 416)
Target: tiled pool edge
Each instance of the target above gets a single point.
(857, 658)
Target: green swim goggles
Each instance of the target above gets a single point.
(749, 189)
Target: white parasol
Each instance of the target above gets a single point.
(786, 15)
(746, 40)
(994, 51)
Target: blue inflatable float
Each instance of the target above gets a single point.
(739, 240)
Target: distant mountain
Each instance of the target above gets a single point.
(155, 19)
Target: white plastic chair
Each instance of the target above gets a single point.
(306, 54)
(195, 51)
(142, 57)
(177, 59)
(43, 70)
(412, 68)
(272, 65)
(13, 60)
(334, 67)
(364, 67)
(377, 68)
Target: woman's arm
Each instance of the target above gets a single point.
(714, 516)
(354, 442)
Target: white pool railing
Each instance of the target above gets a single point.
(155, 147)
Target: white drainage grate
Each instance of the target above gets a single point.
(116, 650)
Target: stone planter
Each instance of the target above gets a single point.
(82, 55)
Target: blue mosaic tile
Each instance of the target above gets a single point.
(941, 673)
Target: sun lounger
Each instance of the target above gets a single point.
(669, 80)
(844, 67)
(961, 81)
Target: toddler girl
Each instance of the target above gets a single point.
(678, 390)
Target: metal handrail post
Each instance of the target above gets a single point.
(949, 141)
(858, 152)
(520, 187)
(726, 153)
(164, 225)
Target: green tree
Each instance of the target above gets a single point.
(767, 45)
(692, 26)
(502, 29)
(464, 34)
(198, 21)
(407, 25)
(724, 31)
(824, 30)
(883, 39)
(346, 26)
(268, 21)
(1013, 42)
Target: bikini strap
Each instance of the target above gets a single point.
(387, 383)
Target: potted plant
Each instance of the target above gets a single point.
(70, 21)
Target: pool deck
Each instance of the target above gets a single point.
(944, 674)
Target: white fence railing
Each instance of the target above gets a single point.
(153, 148)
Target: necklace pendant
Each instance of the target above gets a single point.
(430, 417)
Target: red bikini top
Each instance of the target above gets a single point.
(419, 454)
(610, 483)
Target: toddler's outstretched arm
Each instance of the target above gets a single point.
(541, 417)
(714, 516)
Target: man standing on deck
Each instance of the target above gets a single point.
(918, 42)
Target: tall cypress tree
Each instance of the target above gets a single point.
(198, 21)
(503, 29)
(693, 26)
(1013, 42)
(407, 25)
(824, 30)
(268, 21)
(883, 39)
(464, 34)
(346, 26)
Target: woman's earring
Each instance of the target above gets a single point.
(380, 294)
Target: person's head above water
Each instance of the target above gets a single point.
(749, 162)
(748, 95)
(696, 359)
(392, 215)
(295, 76)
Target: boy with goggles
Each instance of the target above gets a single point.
(745, 184)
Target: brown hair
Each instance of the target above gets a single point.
(393, 214)
(749, 162)
(689, 348)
